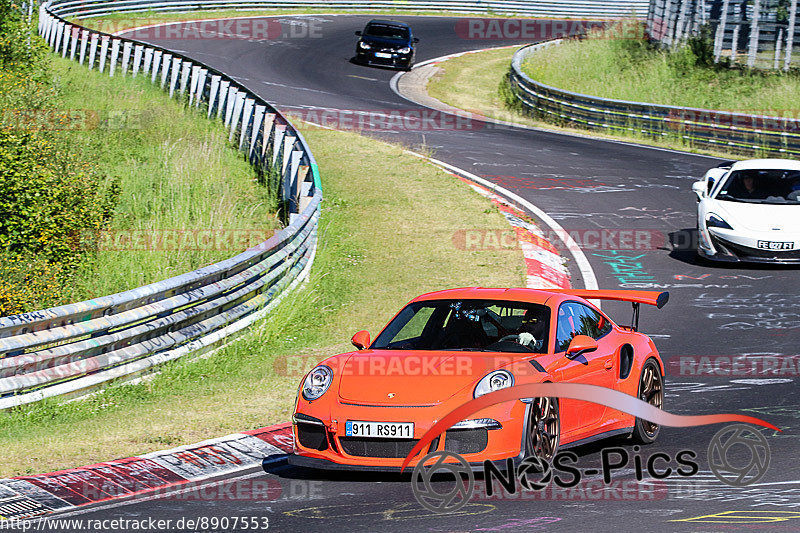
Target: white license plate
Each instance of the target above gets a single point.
(772, 245)
(379, 430)
(383, 55)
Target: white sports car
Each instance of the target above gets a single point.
(750, 211)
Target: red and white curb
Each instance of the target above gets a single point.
(544, 264)
(146, 475)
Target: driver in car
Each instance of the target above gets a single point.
(532, 330)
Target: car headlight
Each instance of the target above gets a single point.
(317, 382)
(405, 50)
(493, 381)
(364, 45)
(714, 221)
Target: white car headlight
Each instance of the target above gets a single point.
(715, 221)
(405, 50)
(364, 46)
(493, 381)
(317, 382)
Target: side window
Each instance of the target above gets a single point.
(577, 319)
(566, 326)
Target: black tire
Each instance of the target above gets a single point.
(543, 429)
(651, 390)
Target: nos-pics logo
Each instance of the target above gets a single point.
(737, 455)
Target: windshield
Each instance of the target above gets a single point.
(468, 325)
(386, 32)
(770, 186)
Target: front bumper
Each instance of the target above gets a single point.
(369, 57)
(724, 248)
(320, 442)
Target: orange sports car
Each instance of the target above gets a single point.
(366, 409)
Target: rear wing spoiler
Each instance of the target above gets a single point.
(658, 299)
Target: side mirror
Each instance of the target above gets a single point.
(361, 339)
(580, 345)
(601, 323)
(416, 40)
(358, 33)
(699, 188)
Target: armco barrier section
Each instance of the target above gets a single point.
(738, 132)
(70, 349)
(550, 8)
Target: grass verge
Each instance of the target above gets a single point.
(177, 174)
(629, 69)
(476, 82)
(386, 235)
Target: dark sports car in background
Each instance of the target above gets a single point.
(386, 43)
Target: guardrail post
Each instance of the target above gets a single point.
(277, 143)
(57, 37)
(156, 64)
(230, 101)
(266, 136)
(258, 120)
(202, 76)
(224, 87)
(126, 57)
(187, 67)
(193, 83)
(213, 94)
(148, 61)
(84, 44)
(103, 52)
(65, 41)
(74, 48)
(114, 56)
(137, 59)
(93, 49)
(290, 186)
(286, 153)
(247, 116)
(237, 113)
(165, 62)
(173, 80)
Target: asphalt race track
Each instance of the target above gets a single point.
(584, 184)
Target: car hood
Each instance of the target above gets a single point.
(388, 43)
(758, 217)
(401, 377)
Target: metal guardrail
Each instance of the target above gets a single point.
(70, 349)
(737, 132)
(552, 8)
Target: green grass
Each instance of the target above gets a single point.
(176, 170)
(386, 236)
(626, 69)
(476, 82)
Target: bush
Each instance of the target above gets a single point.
(51, 198)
